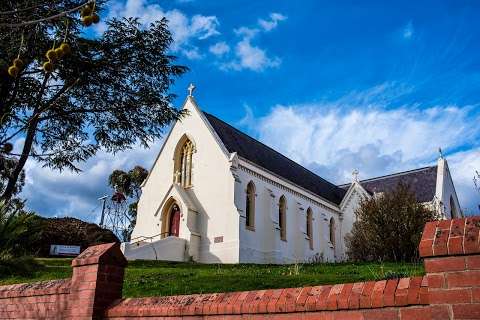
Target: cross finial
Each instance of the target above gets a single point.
(440, 152)
(355, 175)
(191, 88)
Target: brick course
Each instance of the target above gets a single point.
(449, 290)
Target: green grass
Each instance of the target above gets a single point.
(155, 278)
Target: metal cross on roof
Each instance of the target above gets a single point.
(191, 88)
(355, 175)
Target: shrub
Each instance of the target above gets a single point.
(15, 224)
(388, 227)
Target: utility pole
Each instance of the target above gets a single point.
(104, 199)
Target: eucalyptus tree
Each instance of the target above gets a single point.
(68, 89)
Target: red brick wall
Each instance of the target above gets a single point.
(449, 290)
(96, 282)
(38, 300)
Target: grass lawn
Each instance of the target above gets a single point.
(155, 278)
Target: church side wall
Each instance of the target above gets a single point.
(212, 193)
(263, 244)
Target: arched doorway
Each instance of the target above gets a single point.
(171, 214)
(174, 221)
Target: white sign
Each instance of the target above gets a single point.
(61, 250)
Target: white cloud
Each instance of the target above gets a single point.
(408, 31)
(249, 56)
(53, 193)
(335, 137)
(462, 166)
(271, 24)
(185, 30)
(219, 48)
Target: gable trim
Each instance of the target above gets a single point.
(205, 121)
(350, 192)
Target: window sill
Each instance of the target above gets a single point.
(250, 228)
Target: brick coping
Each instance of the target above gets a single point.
(451, 237)
(49, 287)
(350, 296)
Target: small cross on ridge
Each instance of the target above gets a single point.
(191, 88)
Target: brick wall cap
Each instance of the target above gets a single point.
(451, 237)
(333, 298)
(108, 254)
(36, 288)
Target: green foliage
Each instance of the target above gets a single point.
(388, 227)
(110, 92)
(15, 224)
(17, 230)
(153, 278)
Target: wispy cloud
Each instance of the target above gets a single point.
(248, 56)
(271, 24)
(360, 131)
(185, 30)
(408, 31)
(219, 48)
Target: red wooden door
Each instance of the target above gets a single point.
(175, 222)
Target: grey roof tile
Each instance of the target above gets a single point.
(264, 156)
(422, 181)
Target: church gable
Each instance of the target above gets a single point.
(181, 145)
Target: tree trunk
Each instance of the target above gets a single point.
(27, 147)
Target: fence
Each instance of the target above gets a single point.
(449, 290)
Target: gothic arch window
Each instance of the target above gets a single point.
(309, 227)
(250, 206)
(332, 231)
(282, 217)
(453, 208)
(183, 162)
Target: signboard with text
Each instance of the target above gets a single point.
(62, 250)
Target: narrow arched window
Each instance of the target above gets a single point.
(183, 164)
(282, 217)
(332, 231)
(309, 227)
(453, 208)
(250, 206)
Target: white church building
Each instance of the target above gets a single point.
(217, 195)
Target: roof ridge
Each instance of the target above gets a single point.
(396, 174)
(270, 148)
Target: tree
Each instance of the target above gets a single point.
(129, 184)
(388, 227)
(72, 95)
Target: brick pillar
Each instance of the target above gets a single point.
(97, 281)
(451, 249)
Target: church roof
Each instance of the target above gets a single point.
(264, 156)
(422, 182)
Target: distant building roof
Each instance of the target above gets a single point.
(422, 182)
(264, 156)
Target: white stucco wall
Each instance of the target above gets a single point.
(446, 189)
(212, 192)
(349, 205)
(263, 245)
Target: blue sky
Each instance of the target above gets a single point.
(336, 85)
